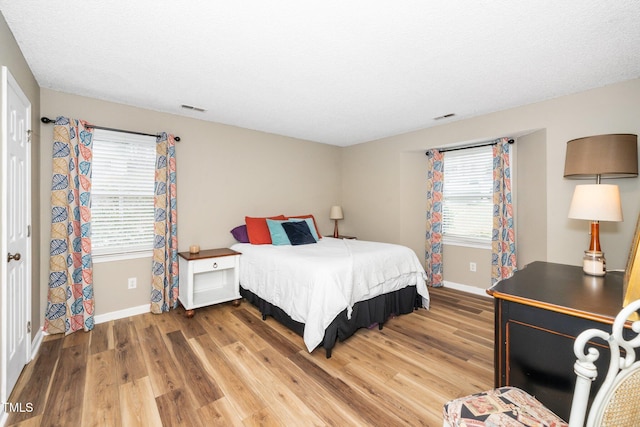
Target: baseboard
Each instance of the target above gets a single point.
(466, 288)
(101, 318)
(115, 315)
(35, 344)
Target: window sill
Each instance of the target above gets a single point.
(466, 243)
(98, 259)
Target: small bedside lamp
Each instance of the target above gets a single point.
(336, 214)
(595, 202)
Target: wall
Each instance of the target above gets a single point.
(531, 197)
(224, 173)
(384, 190)
(11, 57)
(456, 268)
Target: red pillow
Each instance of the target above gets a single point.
(258, 230)
(307, 216)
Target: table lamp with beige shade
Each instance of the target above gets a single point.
(597, 157)
(336, 214)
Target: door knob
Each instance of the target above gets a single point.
(15, 257)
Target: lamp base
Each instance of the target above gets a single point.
(594, 263)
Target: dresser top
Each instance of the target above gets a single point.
(565, 289)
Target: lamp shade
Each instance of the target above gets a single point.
(596, 202)
(336, 212)
(607, 156)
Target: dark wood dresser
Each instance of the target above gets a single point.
(538, 314)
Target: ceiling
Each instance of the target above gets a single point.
(336, 72)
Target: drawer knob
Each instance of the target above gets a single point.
(215, 265)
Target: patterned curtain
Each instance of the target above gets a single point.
(503, 242)
(433, 249)
(70, 301)
(164, 292)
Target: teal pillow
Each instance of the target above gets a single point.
(278, 235)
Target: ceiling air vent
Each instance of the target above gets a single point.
(446, 116)
(191, 107)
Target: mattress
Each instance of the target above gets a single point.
(314, 283)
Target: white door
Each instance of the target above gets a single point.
(16, 242)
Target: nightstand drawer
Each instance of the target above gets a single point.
(213, 264)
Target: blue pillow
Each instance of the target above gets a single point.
(278, 235)
(298, 233)
(312, 227)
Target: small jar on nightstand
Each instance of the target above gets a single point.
(594, 263)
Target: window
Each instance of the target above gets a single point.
(122, 188)
(468, 197)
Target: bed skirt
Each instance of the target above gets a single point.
(374, 311)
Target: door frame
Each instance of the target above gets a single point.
(7, 82)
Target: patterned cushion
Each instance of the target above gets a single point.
(505, 407)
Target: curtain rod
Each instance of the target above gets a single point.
(47, 120)
(444, 150)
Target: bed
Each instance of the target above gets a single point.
(327, 290)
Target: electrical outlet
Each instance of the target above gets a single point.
(472, 266)
(133, 282)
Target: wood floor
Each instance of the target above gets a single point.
(228, 367)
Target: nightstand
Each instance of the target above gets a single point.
(208, 277)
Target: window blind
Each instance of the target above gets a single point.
(123, 170)
(468, 195)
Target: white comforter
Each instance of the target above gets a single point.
(314, 283)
